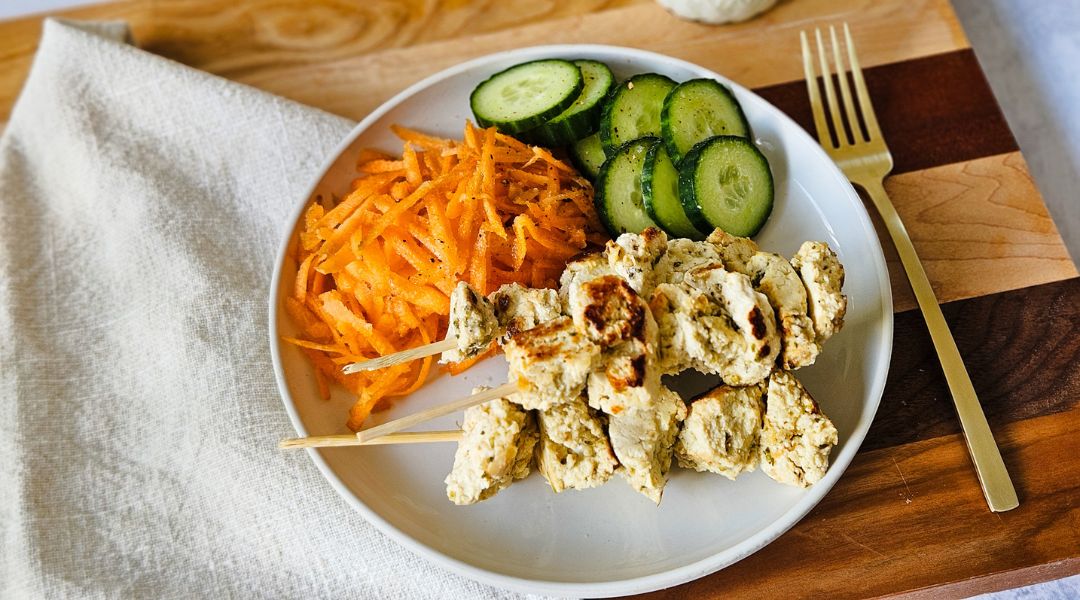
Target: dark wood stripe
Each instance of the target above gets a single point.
(933, 111)
(1021, 348)
(912, 518)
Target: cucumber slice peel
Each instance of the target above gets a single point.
(582, 118)
(618, 189)
(526, 95)
(660, 192)
(588, 155)
(696, 110)
(725, 182)
(633, 110)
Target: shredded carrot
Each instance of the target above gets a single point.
(377, 267)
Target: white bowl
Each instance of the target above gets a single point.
(606, 541)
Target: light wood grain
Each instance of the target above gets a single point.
(240, 39)
(979, 226)
(347, 58)
(910, 517)
(755, 54)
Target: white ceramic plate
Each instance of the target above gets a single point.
(606, 541)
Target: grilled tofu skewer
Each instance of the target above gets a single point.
(476, 322)
(350, 439)
(643, 415)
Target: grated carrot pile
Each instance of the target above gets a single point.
(377, 268)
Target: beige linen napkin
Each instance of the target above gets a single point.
(141, 206)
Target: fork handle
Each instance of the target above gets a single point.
(994, 478)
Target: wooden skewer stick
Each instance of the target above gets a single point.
(366, 435)
(400, 357)
(350, 439)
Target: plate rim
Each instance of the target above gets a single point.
(645, 583)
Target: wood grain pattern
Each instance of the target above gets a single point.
(243, 38)
(954, 119)
(912, 517)
(1021, 348)
(352, 87)
(908, 517)
(347, 58)
(979, 226)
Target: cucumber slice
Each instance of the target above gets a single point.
(583, 117)
(618, 188)
(633, 110)
(660, 192)
(725, 182)
(526, 95)
(696, 110)
(588, 155)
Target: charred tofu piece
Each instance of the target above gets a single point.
(796, 438)
(574, 452)
(628, 375)
(634, 256)
(683, 256)
(609, 311)
(550, 363)
(643, 441)
(614, 316)
(823, 276)
(772, 275)
(472, 323)
(496, 448)
(722, 430)
(742, 346)
(519, 308)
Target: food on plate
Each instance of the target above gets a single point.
(660, 194)
(520, 308)
(777, 279)
(643, 440)
(823, 275)
(377, 268)
(718, 325)
(619, 188)
(550, 363)
(574, 452)
(528, 95)
(725, 182)
(583, 116)
(696, 110)
(476, 321)
(496, 448)
(633, 111)
(472, 324)
(722, 431)
(796, 437)
(588, 154)
(596, 369)
(674, 155)
(626, 374)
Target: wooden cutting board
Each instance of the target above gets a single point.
(908, 517)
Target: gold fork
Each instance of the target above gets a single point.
(865, 160)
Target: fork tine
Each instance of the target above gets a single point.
(872, 129)
(830, 94)
(845, 89)
(814, 94)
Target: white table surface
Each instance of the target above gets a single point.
(1029, 50)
